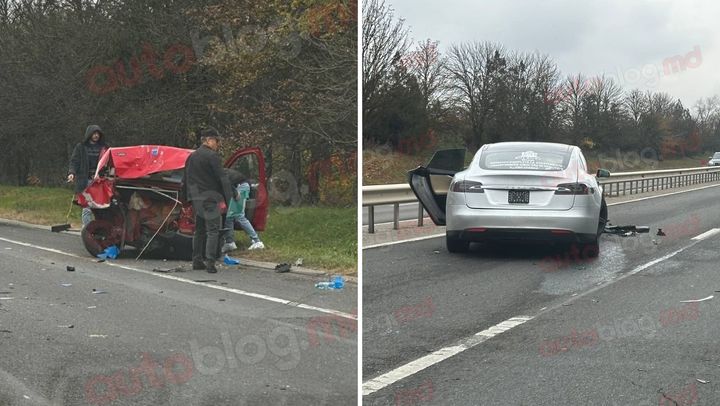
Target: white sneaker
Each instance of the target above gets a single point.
(257, 246)
(227, 247)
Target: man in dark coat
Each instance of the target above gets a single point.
(207, 187)
(83, 163)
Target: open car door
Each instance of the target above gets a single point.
(251, 163)
(430, 183)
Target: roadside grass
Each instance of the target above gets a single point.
(325, 237)
(381, 166)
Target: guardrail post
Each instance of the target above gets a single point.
(371, 219)
(420, 214)
(396, 216)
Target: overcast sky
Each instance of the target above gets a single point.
(625, 39)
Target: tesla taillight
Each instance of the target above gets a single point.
(572, 189)
(467, 186)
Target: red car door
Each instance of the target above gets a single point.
(251, 163)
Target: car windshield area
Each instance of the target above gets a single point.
(716, 155)
(525, 159)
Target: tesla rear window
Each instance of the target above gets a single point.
(525, 160)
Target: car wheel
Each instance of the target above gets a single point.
(455, 244)
(591, 249)
(96, 236)
(602, 218)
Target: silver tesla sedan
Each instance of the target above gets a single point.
(513, 191)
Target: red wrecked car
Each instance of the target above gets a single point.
(135, 197)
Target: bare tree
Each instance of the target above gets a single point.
(636, 104)
(426, 65)
(470, 68)
(384, 42)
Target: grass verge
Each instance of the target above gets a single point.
(325, 237)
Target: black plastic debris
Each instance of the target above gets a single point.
(626, 231)
(70, 268)
(205, 280)
(282, 268)
(162, 270)
(661, 233)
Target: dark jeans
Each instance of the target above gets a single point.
(208, 221)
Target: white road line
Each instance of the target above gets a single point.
(385, 244)
(440, 355)
(706, 234)
(413, 367)
(191, 282)
(663, 195)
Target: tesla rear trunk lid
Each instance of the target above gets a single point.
(520, 190)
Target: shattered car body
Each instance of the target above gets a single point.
(136, 202)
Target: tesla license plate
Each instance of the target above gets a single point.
(518, 196)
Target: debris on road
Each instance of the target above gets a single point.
(110, 252)
(97, 336)
(221, 300)
(70, 268)
(7, 298)
(281, 268)
(228, 260)
(98, 291)
(697, 300)
(205, 280)
(162, 270)
(702, 381)
(299, 262)
(626, 231)
(660, 232)
(68, 326)
(337, 282)
(66, 285)
(92, 307)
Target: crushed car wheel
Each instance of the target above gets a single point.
(97, 236)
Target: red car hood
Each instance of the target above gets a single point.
(130, 163)
(142, 160)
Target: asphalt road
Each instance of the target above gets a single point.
(149, 338)
(577, 331)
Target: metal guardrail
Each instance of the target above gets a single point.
(618, 184)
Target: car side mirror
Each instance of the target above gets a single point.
(602, 173)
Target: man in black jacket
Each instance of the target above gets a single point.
(83, 163)
(207, 187)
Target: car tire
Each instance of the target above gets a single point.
(96, 236)
(456, 245)
(591, 249)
